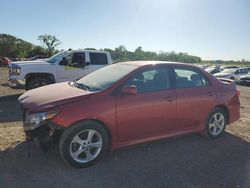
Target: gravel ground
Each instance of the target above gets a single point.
(187, 161)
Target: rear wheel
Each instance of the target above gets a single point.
(216, 123)
(83, 144)
(232, 78)
(37, 82)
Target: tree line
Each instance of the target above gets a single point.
(11, 46)
(120, 53)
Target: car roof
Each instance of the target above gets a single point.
(144, 63)
(94, 51)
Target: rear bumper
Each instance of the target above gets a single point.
(234, 111)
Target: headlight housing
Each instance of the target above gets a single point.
(16, 70)
(34, 121)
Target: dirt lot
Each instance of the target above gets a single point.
(187, 161)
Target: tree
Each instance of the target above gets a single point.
(7, 45)
(37, 50)
(50, 41)
(11, 46)
(139, 53)
(120, 53)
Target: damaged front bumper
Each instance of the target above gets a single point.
(46, 133)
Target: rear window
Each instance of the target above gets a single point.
(185, 78)
(98, 58)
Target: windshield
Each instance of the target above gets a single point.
(229, 71)
(57, 56)
(105, 77)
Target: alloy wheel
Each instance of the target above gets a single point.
(216, 124)
(86, 145)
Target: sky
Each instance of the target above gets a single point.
(210, 29)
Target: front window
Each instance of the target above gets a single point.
(150, 80)
(105, 77)
(74, 60)
(57, 56)
(244, 71)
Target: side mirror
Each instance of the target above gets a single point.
(63, 62)
(129, 90)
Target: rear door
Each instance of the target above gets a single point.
(195, 97)
(96, 60)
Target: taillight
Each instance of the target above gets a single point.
(237, 93)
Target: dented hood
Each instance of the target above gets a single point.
(46, 97)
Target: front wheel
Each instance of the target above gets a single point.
(216, 123)
(37, 82)
(83, 144)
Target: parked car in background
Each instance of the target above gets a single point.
(244, 80)
(233, 74)
(128, 103)
(229, 67)
(61, 67)
(203, 66)
(4, 61)
(213, 70)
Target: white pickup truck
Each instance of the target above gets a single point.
(63, 66)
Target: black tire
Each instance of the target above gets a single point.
(66, 142)
(232, 78)
(208, 132)
(37, 82)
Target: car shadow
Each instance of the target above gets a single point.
(9, 109)
(187, 161)
(5, 85)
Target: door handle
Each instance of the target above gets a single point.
(168, 98)
(210, 93)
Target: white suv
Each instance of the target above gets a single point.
(63, 66)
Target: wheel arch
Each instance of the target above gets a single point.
(101, 123)
(29, 76)
(225, 109)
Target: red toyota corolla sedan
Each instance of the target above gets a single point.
(128, 103)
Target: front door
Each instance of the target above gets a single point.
(72, 67)
(149, 112)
